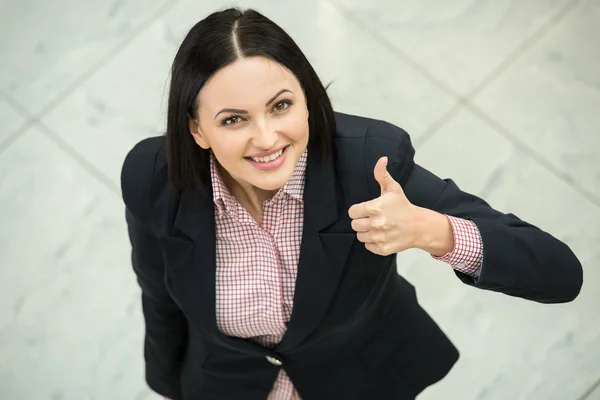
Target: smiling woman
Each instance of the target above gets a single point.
(250, 77)
(258, 143)
(265, 226)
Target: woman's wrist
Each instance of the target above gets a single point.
(434, 233)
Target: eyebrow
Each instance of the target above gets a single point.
(235, 110)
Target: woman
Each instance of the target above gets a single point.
(264, 229)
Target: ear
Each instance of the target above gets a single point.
(197, 133)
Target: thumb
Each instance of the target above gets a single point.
(386, 182)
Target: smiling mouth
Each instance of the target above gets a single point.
(272, 157)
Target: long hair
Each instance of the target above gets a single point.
(213, 43)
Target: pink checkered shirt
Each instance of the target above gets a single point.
(257, 265)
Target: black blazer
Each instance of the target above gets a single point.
(356, 330)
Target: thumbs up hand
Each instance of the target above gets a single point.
(390, 223)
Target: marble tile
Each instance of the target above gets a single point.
(152, 396)
(47, 45)
(70, 320)
(595, 395)
(510, 348)
(549, 99)
(148, 394)
(126, 101)
(459, 41)
(10, 120)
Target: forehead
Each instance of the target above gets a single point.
(246, 81)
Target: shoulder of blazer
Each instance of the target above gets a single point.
(138, 176)
(364, 141)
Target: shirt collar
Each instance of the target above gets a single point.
(226, 203)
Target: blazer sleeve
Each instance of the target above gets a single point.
(166, 326)
(519, 259)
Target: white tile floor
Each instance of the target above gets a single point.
(502, 96)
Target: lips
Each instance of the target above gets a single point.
(273, 155)
(267, 153)
(266, 163)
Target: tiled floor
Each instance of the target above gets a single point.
(502, 96)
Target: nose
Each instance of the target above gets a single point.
(264, 138)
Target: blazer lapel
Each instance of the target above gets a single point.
(322, 254)
(194, 277)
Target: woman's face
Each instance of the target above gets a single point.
(253, 115)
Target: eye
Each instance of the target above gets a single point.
(282, 105)
(231, 120)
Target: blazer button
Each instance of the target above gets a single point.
(274, 361)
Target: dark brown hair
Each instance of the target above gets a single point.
(213, 43)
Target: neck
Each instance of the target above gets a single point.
(249, 196)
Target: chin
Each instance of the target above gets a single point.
(271, 186)
(275, 183)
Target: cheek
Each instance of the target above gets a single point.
(229, 149)
(299, 127)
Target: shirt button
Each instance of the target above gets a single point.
(274, 361)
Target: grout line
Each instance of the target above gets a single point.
(396, 51)
(428, 133)
(540, 159)
(28, 121)
(75, 155)
(521, 49)
(15, 135)
(19, 109)
(590, 391)
(106, 58)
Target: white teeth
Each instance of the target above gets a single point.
(269, 158)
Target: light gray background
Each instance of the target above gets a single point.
(501, 95)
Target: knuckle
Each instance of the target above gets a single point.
(373, 208)
(381, 224)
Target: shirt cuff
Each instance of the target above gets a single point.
(467, 255)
